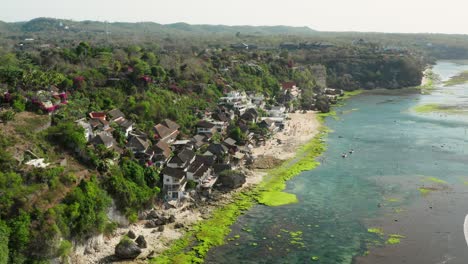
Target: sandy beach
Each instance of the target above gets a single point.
(301, 128)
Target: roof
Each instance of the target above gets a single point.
(125, 123)
(220, 116)
(170, 124)
(104, 139)
(268, 121)
(217, 149)
(186, 155)
(115, 114)
(138, 143)
(199, 138)
(230, 142)
(97, 115)
(207, 160)
(195, 166)
(249, 116)
(288, 85)
(201, 171)
(205, 124)
(176, 173)
(163, 131)
(162, 148)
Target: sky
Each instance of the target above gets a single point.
(405, 16)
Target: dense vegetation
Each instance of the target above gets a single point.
(166, 71)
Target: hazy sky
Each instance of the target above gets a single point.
(447, 16)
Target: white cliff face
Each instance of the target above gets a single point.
(116, 216)
(82, 252)
(91, 250)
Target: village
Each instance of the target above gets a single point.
(195, 164)
(223, 140)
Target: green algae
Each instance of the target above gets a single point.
(460, 78)
(349, 94)
(394, 239)
(331, 114)
(392, 200)
(424, 190)
(314, 258)
(275, 198)
(376, 230)
(435, 180)
(436, 108)
(194, 245)
(305, 160)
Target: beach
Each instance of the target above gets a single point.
(300, 129)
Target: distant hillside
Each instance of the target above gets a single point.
(53, 25)
(442, 46)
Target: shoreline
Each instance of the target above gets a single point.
(195, 244)
(284, 146)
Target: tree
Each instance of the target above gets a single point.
(151, 176)
(237, 134)
(69, 135)
(20, 227)
(323, 104)
(86, 209)
(4, 238)
(307, 98)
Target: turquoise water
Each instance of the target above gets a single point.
(395, 150)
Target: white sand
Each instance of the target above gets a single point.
(301, 128)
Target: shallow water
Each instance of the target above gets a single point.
(395, 151)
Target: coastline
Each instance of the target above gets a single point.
(284, 146)
(194, 245)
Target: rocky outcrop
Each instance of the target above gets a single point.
(131, 234)
(232, 179)
(155, 219)
(127, 249)
(141, 242)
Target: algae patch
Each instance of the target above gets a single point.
(435, 180)
(275, 198)
(394, 239)
(376, 230)
(425, 190)
(460, 78)
(392, 200)
(436, 108)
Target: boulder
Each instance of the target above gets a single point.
(152, 215)
(232, 179)
(131, 234)
(127, 249)
(171, 219)
(141, 241)
(154, 223)
(178, 225)
(150, 224)
(161, 228)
